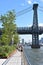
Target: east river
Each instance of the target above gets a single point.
(35, 56)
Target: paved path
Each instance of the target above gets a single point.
(1, 61)
(15, 59)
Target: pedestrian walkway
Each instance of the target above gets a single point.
(15, 59)
(1, 61)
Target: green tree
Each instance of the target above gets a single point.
(16, 38)
(9, 27)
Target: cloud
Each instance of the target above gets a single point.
(41, 24)
(26, 38)
(29, 1)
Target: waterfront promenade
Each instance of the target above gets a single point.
(33, 57)
(15, 59)
(2, 61)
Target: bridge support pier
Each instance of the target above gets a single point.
(35, 35)
(35, 46)
(35, 41)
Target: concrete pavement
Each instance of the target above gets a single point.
(15, 59)
(1, 61)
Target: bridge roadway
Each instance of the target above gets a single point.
(34, 56)
(26, 30)
(29, 30)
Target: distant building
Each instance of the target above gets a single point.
(22, 41)
(41, 41)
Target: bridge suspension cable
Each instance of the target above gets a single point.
(41, 8)
(23, 11)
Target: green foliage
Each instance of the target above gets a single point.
(6, 50)
(9, 34)
(16, 38)
(5, 39)
(9, 28)
(0, 41)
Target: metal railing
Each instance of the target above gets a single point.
(25, 58)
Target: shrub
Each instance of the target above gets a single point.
(6, 50)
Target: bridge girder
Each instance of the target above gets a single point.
(29, 30)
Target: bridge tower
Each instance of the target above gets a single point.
(35, 34)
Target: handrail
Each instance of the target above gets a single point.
(25, 57)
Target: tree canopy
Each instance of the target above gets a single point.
(9, 28)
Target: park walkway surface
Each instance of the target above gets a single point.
(15, 59)
(1, 61)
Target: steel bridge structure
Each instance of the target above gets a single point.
(34, 30)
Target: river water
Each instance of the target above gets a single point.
(35, 56)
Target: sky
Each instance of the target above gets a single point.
(24, 20)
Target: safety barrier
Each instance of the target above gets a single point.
(25, 58)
